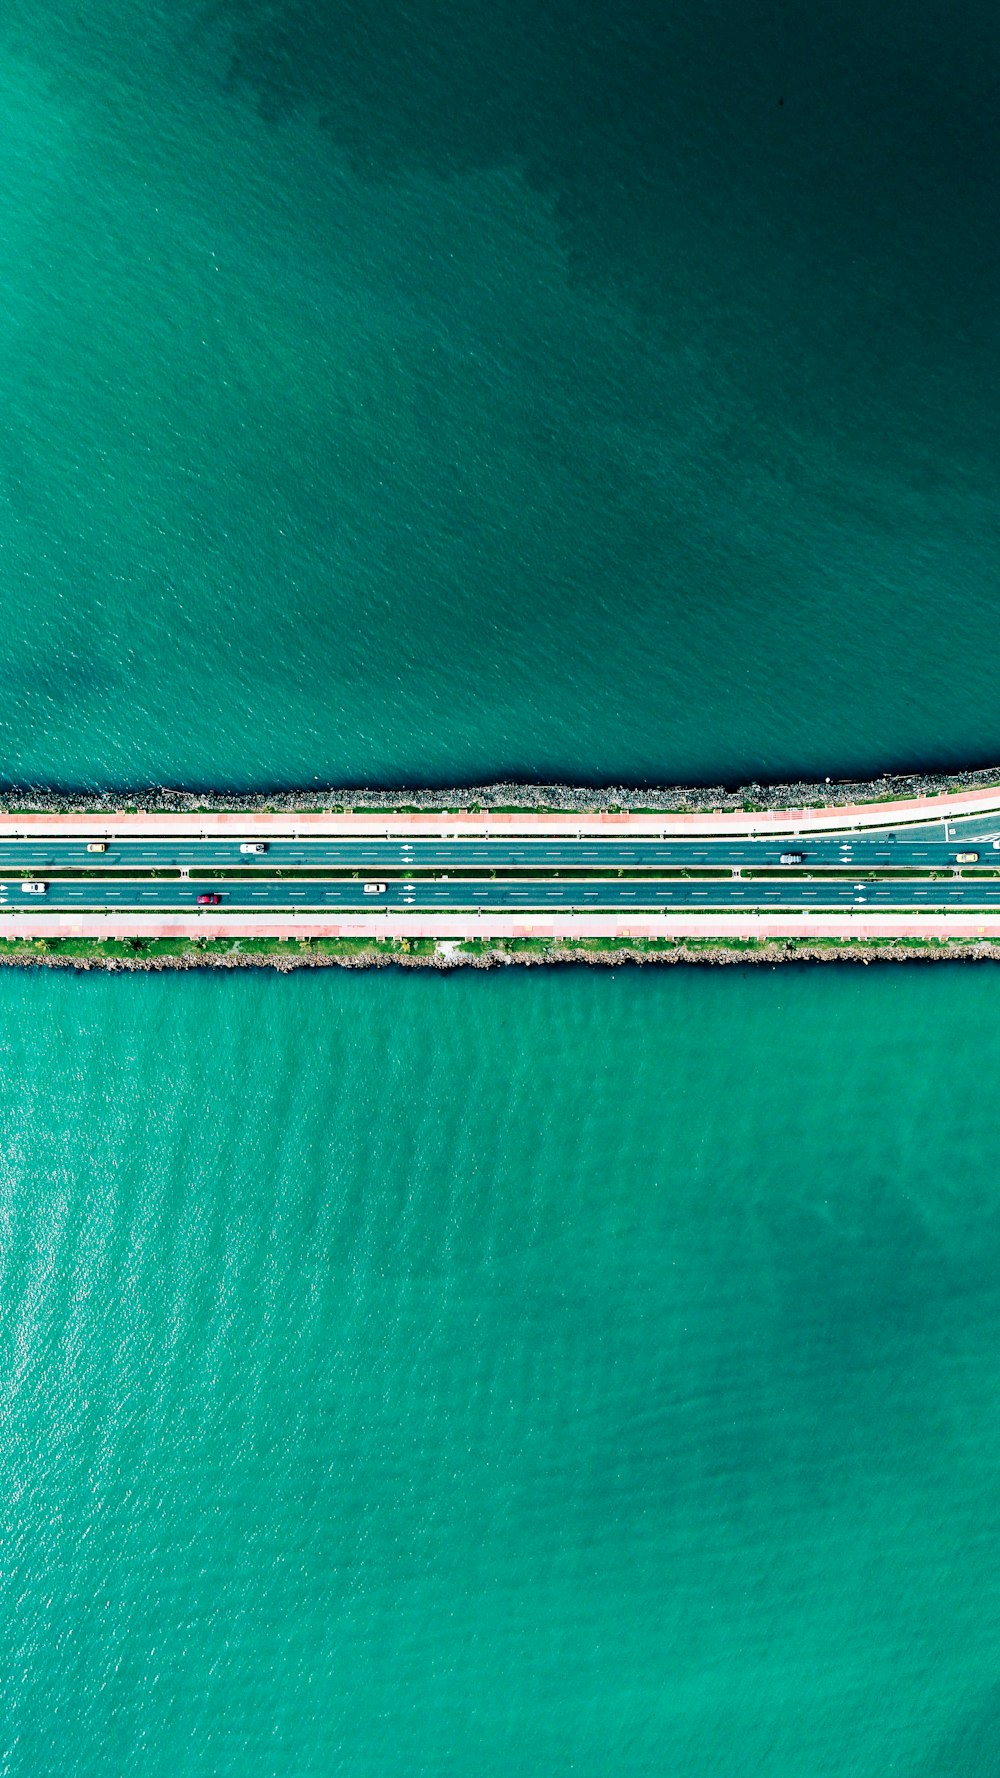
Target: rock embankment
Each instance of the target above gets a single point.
(569, 797)
(770, 952)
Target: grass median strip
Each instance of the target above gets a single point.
(564, 874)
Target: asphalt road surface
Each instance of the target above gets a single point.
(732, 894)
(932, 846)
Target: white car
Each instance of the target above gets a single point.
(96, 846)
(374, 888)
(33, 888)
(253, 846)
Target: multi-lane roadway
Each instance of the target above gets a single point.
(468, 892)
(924, 847)
(458, 871)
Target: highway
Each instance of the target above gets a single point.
(731, 893)
(462, 873)
(929, 846)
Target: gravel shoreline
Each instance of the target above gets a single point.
(568, 797)
(771, 953)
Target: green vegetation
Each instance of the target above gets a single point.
(137, 950)
(222, 874)
(292, 953)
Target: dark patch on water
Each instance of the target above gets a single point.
(629, 115)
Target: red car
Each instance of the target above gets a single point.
(209, 901)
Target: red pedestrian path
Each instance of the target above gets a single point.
(427, 824)
(96, 923)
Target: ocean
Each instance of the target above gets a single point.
(411, 393)
(537, 1371)
(534, 1371)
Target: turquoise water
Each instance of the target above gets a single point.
(528, 1373)
(430, 393)
(537, 1372)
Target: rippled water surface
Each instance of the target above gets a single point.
(429, 393)
(531, 1373)
(527, 1373)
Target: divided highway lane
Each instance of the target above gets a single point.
(730, 894)
(927, 848)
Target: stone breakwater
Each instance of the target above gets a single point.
(831, 793)
(447, 958)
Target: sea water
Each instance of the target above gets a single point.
(527, 1372)
(534, 1372)
(430, 393)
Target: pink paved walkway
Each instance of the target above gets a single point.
(491, 822)
(396, 924)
